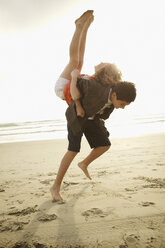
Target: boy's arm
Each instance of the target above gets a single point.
(93, 95)
(75, 93)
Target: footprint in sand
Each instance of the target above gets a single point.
(93, 212)
(47, 181)
(131, 240)
(52, 174)
(23, 212)
(12, 226)
(104, 244)
(130, 190)
(24, 244)
(69, 183)
(47, 217)
(37, 244)
(21, 244)
(160, 164)
(146, 204)
(102, 173)
(2, 189)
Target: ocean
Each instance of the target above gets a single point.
(128, 126)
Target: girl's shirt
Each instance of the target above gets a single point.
(66, 90)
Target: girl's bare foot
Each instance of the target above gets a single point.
(89, 21)
(84, 169)
(82, 19)
(55, 194)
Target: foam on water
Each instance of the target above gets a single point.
(125, 126)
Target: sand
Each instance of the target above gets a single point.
(122, 206)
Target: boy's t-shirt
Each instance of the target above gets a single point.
(66, 90)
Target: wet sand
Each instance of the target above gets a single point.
(122, 206)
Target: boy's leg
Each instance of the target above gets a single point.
(75, 46)
(95, 153)
(97, 137)
(73, 148)
(65, 163)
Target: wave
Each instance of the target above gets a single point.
(52, 129)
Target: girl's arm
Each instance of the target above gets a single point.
(75, 93)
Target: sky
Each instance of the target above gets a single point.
(34, 48)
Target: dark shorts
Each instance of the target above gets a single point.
(95, 133)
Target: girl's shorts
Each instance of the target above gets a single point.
(60, 85)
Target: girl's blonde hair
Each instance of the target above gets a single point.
(108, 75)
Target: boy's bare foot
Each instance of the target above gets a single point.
(55, 194)
(84, 169)
(82, 19)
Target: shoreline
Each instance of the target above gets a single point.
(124, 127)
(123, 203)
(65, 138)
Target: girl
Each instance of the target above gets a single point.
(105, 73)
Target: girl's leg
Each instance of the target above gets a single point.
(79, 109)
(74, 49)
(83, 42)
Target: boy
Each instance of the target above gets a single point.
(98, 101)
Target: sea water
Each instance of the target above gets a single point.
(118, 126)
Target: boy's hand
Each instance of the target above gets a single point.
(75, 73)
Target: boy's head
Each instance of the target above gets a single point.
(107, 73)
(123, 93)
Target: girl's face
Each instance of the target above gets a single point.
(100, 66)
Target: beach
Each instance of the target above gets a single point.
(122, 206)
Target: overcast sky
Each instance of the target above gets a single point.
(34, 43)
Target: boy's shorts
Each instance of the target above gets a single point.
(96, 135)
(59, 86)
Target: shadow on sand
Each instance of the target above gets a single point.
(63, 231)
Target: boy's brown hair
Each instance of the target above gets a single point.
(108, 75)
(125, 91)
